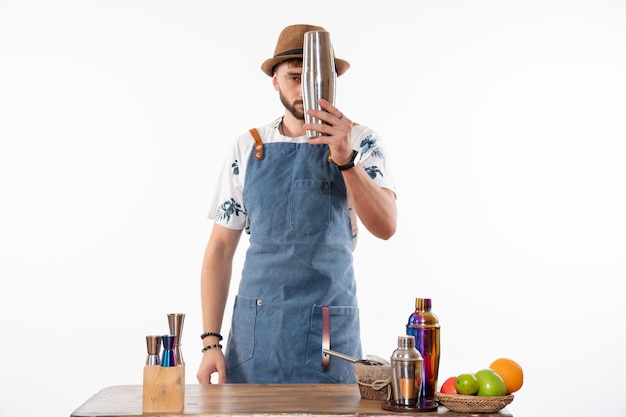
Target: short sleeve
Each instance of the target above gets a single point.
(373, 157)
(226, 207)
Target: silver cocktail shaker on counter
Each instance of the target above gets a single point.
(423, 325)
(406, 372)
(319, 76)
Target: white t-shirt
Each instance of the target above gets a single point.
(226, 207)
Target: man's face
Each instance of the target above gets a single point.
(288, 82)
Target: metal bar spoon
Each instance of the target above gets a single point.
(353, 360)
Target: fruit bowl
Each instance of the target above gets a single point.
(474, 403)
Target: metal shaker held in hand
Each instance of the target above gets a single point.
(319, 76)
(423, 325)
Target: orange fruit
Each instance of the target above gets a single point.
(511, 373)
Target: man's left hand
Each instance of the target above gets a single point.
(336, 132)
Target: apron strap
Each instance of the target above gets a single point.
(258, 149)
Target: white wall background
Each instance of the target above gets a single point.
(504, 121)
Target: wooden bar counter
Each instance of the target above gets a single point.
(247, 400)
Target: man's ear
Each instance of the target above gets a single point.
(275, 82)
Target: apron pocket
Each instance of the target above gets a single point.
(345, 337)
(241, 338)
(310, 205)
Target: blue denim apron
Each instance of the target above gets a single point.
(299, 260)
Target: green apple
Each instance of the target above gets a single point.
(489, 383)
(466, 384)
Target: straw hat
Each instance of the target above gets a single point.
(290, 44)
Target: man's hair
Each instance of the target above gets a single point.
(292, 62)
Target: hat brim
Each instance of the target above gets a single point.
(341, 65)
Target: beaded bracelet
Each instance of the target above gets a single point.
(207, 334)
(217, 345)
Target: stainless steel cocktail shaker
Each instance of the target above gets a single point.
(319, 76)
(406, 372)
(423, 325)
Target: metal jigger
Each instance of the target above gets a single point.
(318, 74)
(175, 321)
(154, 349)
(169, 356)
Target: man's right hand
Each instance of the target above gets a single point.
(212, 361)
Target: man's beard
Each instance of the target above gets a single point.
(292, 107)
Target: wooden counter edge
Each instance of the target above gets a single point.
(254, 400)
